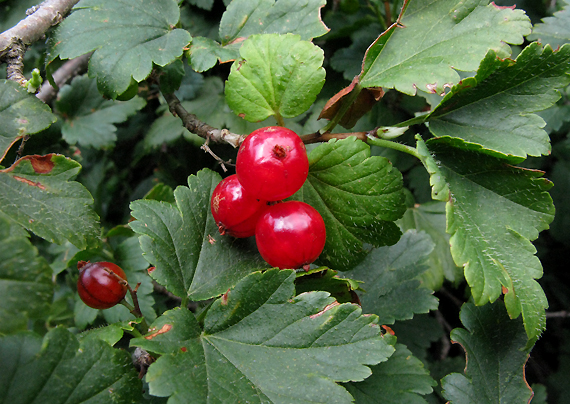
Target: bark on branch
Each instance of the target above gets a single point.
(14, 41)
(35, 25)
(194, 125)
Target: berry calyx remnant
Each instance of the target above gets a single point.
(272, 163)
(101, 285)
(234, 209)
(290, 235)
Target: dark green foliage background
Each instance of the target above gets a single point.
(144, 146)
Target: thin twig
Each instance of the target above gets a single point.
(194, 125)
(558, 314)
(63, 75)
(445, 343)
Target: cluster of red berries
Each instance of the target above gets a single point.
(271, 165)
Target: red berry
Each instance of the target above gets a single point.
(272, 163)
(290, 235)
(97, 287)
(234, 209)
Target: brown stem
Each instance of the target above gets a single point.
(388, 13)
(64, 74)
(14, 58)
(558, 314)
(325, 137)
(194, 125)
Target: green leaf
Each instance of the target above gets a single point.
(244, 18)
(261, 344)
(554, 30)
(26, 288)
(431, 42)
(63, 371)
(183, 243)
(37, 192)
(494, 211)
(430, 218)
(359, 196)
(161, 192)
(89, 118)
(496, 358)
(279, 75)
(165, 129)
(401, 379)
(21, 114)
(493, 111)
(205, 53)
(342, 289)
(127, 37)
(392, 291)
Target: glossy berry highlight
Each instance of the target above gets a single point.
(234, 209)
(98, 287)
(272, 163)
(290, 235)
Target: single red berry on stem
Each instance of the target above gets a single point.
(272, 163)
(290, 235)
(234, 209)
(101, 285)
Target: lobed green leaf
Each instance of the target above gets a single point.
(432, 41)
(401, 379)
(278, 75)
(389, 279)
(359, 197)
(496, 354)
(26, 288)
(37, 192)
(88, 118)
(261, 344)
(494, 211)
(554, 30)
(493, 111)
(127, 38)
(21, 114)
(60, 370)
(182, 241)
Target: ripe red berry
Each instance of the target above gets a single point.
(272, 163)
(234, 209)
(97, 287)
(290, 235)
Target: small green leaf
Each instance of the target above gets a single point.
(554, 30)
(493, 111)
(494, 211)
(205, 53)
(89, 118)
(496, 355)
(161, 192)
(127, 37)
(310, 344)
(60, 370)
(342, 289)
(391, 290)
(358, 196)
(183, 242)
(244, 18)
(430, 217)
(21, 114)
(431, 43)
(37, 192)
(279, 75)
(401, 379)
(164, 130)
(26, 288)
